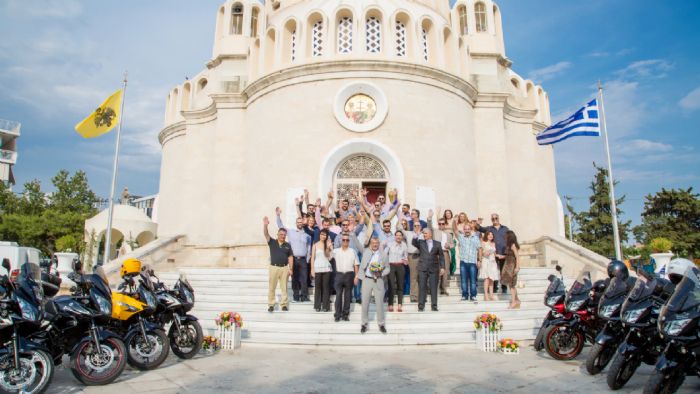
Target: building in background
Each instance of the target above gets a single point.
(9, 132)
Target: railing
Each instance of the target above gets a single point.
(10, 126)
(8, 156)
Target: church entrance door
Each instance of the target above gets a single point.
(357, 172)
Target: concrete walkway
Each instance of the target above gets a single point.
(458, 369)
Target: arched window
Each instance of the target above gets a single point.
(237, 19)
(373, 31)
(254, 23)
(294, 45)
(345, 35)
(424, 43)
(400, 39)
(202, 84)
(463, 26)
(480, 11)
(317, 39)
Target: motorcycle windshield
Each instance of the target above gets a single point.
(686, 296)
(185, 282)
(582, 284)
(617, 287)
(29, 283)
(555, 286)
(99, 282)
(642, 289)
(146, 280)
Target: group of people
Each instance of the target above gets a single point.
(384, 250)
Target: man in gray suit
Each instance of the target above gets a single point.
(373, 283)
(430, 267)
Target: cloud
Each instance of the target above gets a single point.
(691, 101)
(546, 73)
(660, 177)
(646, 69)
(61, 9)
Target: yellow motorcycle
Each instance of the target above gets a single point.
(146, 343)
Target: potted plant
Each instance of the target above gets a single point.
(487, 327)
(229, 329)
(508, 346)
(661, 253)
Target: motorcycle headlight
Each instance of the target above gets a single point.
(29, 311)
(551, 301)
(631, 316)
(675, 327)
(574, 305)
(104, 305)
(608, 310)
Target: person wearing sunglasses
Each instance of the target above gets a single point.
(346, 264)
(499, 235)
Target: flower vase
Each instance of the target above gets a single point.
(487, 340)
(510, 351)
(230, 337)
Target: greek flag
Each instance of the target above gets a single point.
(584, 122)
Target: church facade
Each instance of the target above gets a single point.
(338, 95)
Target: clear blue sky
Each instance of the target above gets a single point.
(61, 58)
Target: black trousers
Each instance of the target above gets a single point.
(332, 276)
(504, 288)
(396, 279)
(322, 291)
(343, 293)
(428, 279)
(300, 285)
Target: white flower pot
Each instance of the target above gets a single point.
(230, 337)
(486, 340)
(661, 260)
(65, 267)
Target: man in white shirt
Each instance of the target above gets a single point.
(346, 265)
(373, 283)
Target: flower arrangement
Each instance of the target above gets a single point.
(508, 346)
(376, 269)
(210, 342)
(228, 319)
(488, 321)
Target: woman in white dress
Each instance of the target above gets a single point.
(488, 268)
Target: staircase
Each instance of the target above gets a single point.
(244, 290)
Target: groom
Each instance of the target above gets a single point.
(431, 265)
(373, 282)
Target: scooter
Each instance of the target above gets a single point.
(553, 298)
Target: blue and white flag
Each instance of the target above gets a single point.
(584, 122)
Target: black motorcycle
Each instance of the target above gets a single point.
(613, 332)
(25, 366)
(639, 315)
(678, 324)
(554, 299)
(75, 325)
(185, 332)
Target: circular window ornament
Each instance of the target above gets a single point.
(360, 107)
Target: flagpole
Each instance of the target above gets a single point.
(108, 237)
(611, 182)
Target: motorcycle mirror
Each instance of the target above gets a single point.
(558, 268)
(77, 265)
(6, 264)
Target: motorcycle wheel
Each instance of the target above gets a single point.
(621, 370)
(598, 358)
(659, 383)
(188, 346)
(148, 353)
(94, 367)
(539, 339)
(34, 375)
(562, 344)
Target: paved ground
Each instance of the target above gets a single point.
(318, 370)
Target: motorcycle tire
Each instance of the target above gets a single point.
(599, 357)
(195, 340)
(84, 358)
(145, 356)
(659, 383)
(621, 370)
(539, 339)
(552, 346)
(41, 368)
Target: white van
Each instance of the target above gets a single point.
(17, 255)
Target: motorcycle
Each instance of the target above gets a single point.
(146, 343)
(566, 336)
(25, 366)
(185, 332)
(639, 314)
(75, 325)
(613, 332)
(678, 324)
(554, 299)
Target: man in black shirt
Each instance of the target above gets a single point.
(281, 266)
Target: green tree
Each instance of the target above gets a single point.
(595, 230)
(33, 200)
(72, 194)
(675, 215)
(9, 202)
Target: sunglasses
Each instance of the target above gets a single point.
(346, 240)
(441, 224)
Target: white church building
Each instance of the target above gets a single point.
(336, 95)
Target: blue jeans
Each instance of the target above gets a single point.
(467, 276)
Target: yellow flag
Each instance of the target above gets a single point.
(103, 119)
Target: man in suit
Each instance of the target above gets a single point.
(431, 266)
(373, 283)
(446, 241)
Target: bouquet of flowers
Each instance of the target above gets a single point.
(508, 345)
(376, 270)
(210, 342)
(228, 319)
(488, 321)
